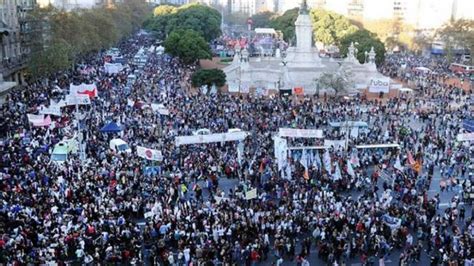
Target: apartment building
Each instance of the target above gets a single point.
(16, 38)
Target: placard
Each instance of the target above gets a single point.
(378, 85)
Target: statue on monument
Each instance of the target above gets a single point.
(304, 8)
(372, 55)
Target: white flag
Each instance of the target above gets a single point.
(350, 170)
(304, 160)
(288, 171)
(398, 164)
(149, 154)
(337, 172)
(327, 161)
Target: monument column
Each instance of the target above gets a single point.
(304, 29)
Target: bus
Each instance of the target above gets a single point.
(461, 69)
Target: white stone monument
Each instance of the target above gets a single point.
(304, 55)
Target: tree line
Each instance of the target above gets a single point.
(67, 36)
(329, 28)
(186, 32)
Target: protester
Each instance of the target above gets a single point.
(108, 209)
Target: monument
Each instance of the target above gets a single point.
(300, 68)
(304, 55)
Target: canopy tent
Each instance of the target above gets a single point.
(112, 127)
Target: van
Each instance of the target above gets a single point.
(62, 150)
(119, 146)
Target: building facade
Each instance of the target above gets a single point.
(16, 38)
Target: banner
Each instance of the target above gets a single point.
(300, 133)
(51, 110)
(83, 89)
(219, 137)
(77, 99)
(465, 137)
(60, 104)
(261, 91)
(160, 108)
(281, 150)
(251, 194)
(113, 68)
(354, 132)
(298, 91)
(334, 143)
(240, 152)
(149, 154)
(39, 120)
(233, 86)
(378, 85)
(244, 87)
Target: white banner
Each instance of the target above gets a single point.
(334, 143)
(244, 87)
(113, 68)
(35, 119)
(160, 108)
(251, 194)
(465, 137)
(60, 104)
(300, 133)
(78, 99)
(378, 85)
(281, 151)
(354, 132)
(83, 89)
(149, 154)
(233, 86)
(240, 152)
(51, 110)
(219, 137)
(39, 120)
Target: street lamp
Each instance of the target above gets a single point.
(366, 55)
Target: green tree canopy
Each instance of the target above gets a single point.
(55, 58)
(188, 45)
(286, 24)
(329, 27)
(364, 40)
(263, 19)
(80, 32)
(208, 77)
(202, 19)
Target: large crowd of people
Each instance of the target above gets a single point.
(362, 206)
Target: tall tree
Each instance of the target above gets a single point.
(55, 58)
(188, 45)
(208, 77)
(329, 27)
(286, 24)
(339, 81)
(202, 19)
